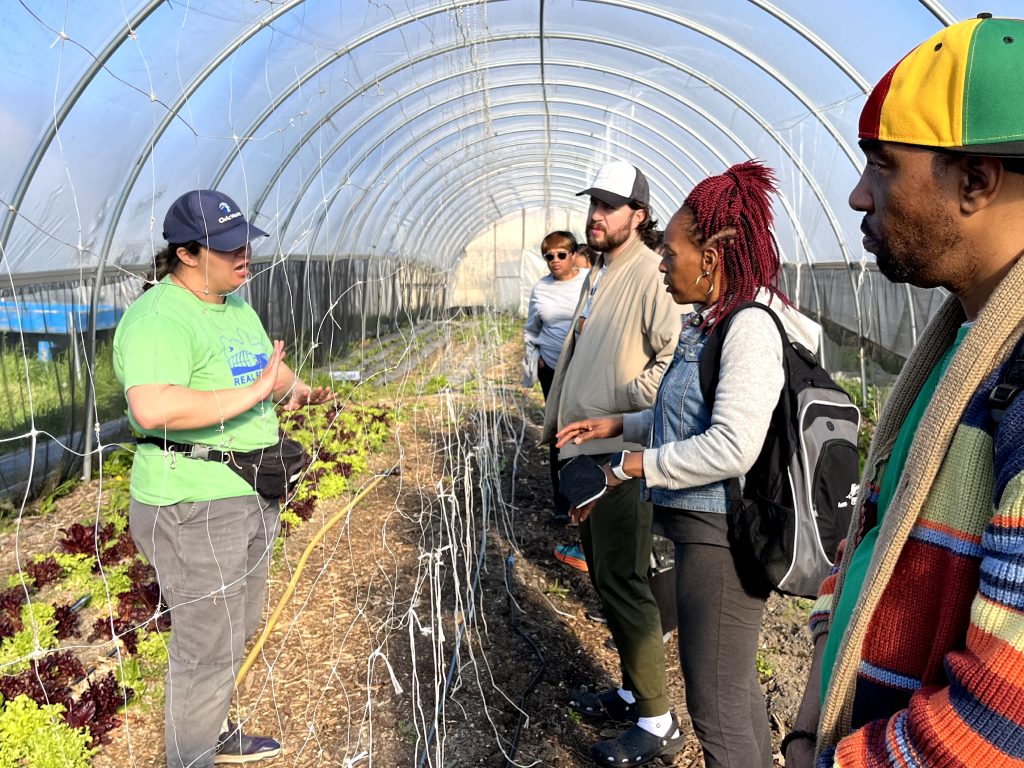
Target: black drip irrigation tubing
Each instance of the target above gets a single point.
(510, 562)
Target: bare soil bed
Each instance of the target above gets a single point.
(451, 551)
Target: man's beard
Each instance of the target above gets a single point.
(609, 240)
(897, 270)
(906, 256)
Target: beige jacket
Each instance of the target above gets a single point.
(615, 365)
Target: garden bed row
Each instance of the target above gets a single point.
(82, 630)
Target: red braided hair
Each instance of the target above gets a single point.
(734, 212)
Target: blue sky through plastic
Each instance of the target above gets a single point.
(407, 127)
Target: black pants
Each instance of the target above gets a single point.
(719, 621)
(546, 375)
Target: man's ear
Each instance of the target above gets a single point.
(642, 219)
(981, 178)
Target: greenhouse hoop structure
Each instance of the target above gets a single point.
(406, 158)
(383, 145)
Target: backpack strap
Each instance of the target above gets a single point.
(1010, 383)
(711, 354)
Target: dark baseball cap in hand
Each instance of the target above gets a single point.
(210, 218)
(581, 481)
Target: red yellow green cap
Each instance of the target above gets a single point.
(962, 89)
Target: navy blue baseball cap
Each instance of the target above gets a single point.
(211, 218)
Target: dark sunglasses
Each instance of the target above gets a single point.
(552, 255)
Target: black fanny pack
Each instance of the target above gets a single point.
(271, 471)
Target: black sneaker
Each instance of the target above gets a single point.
(638, 747)
(235, 747)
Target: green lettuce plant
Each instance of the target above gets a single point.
(38, 736)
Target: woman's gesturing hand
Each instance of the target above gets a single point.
(264, 385)
(589, 429)
(302, 395)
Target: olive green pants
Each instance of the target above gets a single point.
(617, 542)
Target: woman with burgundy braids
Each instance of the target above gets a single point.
(719, 252)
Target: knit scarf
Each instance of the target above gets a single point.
(986, 345)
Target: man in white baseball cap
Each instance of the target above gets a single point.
(618, 183)
(623, 336)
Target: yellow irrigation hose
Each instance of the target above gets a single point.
(272, 621)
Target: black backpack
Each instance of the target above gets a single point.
(798, 497)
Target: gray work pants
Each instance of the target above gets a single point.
(719, 621)
(211, 560)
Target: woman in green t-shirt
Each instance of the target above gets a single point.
(199, 370)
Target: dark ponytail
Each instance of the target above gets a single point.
(166, 261)
(649, 233)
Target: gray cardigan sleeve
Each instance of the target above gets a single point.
(750, 380)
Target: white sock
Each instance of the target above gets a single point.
(627, 696)
(659, 726)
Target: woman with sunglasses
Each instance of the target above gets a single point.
(552, 303)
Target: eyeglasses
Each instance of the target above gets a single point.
(552, 255)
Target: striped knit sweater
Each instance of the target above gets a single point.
(930, 670)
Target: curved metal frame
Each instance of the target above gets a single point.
(392, 161)
(786, 150)
(727, 94)
(397, 22)
(757, 61)
(60, 114)
(387, 180)
(663, 171)
(411, 185)
(412, 16)
(382, 188)
(816, 41)
(844, 66)
(593, 39)
(327, 117)
(444, 234)
(735, 139)
(939, 12)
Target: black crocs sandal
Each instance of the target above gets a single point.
(637, 747)
(604, 706)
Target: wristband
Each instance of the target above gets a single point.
(792, 736)
(616, 466)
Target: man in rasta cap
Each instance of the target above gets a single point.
(919, 633)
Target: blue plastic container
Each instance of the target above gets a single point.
(37, 317)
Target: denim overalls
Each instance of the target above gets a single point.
(680, 413)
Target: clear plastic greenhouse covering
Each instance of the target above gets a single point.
(406, 157)
(400, 153)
